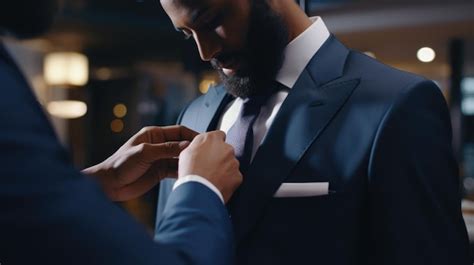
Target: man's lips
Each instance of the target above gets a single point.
(229, 67)
(229, 64)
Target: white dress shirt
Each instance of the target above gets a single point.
(196, 178)
(298, 53)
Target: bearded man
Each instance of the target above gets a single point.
(345, 160)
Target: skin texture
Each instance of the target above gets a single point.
(243, 39)
(155, 153)
(195, 160)
(149, 156)
(217, 26)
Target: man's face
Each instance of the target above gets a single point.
(27, 18)
(243, 39)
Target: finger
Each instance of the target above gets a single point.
(158, 135)
(218, 134)
(139, 187)
(151, 153)
(149, 180)
(178, 133)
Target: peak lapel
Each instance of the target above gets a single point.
(205, 114)
(308, 109)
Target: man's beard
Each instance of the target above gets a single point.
(263, 54)
(27, 18)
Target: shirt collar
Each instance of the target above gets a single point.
(299, 52)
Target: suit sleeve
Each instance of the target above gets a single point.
(195, 224)
(51, 214)
(414, 185)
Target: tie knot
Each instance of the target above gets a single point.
(252, 105)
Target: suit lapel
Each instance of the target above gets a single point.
(312, 103)
(205, 116)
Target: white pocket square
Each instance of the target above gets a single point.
(309, 189)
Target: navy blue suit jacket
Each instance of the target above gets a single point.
(51, 214)
(381, 138)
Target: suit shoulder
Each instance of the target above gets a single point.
(380, 81)
(371, 69)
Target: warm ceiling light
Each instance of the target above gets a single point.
(67, 109)
(104, 73)
(426, 54)
(117, 125)
(66, 68)
(120, 110)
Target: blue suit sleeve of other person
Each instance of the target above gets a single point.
(51, 214)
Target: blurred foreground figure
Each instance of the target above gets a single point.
(52, 214)
(345, 160)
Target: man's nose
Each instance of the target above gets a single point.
(208, 46)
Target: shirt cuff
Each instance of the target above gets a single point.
(203, 181)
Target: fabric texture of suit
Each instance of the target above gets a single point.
(51, 214)
(380, 137)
